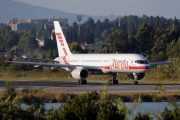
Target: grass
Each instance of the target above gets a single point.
(56, 95)
(154, 76)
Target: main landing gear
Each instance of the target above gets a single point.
(135, 79)
(82, 81)
(114, 80)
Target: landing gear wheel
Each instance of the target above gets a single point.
(135, 82)
(114, 82)
(84, 81)
(135, 79)
(80, 82)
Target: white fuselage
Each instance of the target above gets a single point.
(108, 63)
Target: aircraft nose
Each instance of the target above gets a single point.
(147, 67)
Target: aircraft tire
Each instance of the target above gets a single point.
(114, 82)
(84, 81)
(135, 82)
(81, 82)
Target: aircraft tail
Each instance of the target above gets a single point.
(63, 49)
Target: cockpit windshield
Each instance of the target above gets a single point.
(141, 61)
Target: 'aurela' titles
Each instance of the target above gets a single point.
(117, 64)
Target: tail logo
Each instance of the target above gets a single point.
(60, 39)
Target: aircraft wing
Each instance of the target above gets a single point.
(75, 66)
(159, 63)
(54, 65)
(50, 60)
(41, 64)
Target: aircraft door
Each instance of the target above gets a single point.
(111, 63)
(131, 62)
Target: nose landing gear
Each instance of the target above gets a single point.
(135, 79)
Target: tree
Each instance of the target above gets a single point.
(10, 106)
(51, 54)
(170, 114)
(49, 44)
(98, 29)
(2, 62)
(8, 38)
(75, 48)
(80, 108)
(142, 116)
(1, 43)
(144, 38)
(106, 24)
(89, 107)
(161, 40)
(118, 41)
(175, 23)
(27, 42)
(105, 34)
(173, 49)
(89, 37)
(90, 24)
(9, 55)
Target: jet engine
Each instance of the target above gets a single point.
(140, 76)
(79, 73)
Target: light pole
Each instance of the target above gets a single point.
(119, 22)
(79, 18)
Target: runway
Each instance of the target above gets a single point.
(90, 86)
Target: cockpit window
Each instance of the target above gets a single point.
(141, 61)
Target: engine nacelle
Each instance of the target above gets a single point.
(79, 73)
(140, 76)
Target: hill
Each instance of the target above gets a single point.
(10, 9)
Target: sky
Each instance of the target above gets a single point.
(165, 8)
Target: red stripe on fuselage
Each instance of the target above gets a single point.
(130, 67)
(139, 67)
(105, 67)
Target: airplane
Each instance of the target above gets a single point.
(80, 66)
